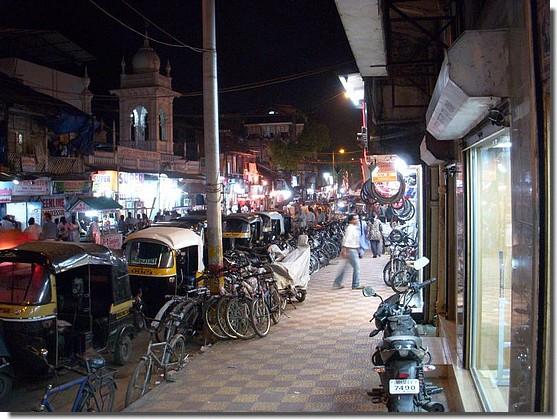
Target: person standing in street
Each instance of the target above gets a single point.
(122, 226)
(49, 230)
(375, 235)
(74, 229)
(33, 230)
(350, 246)
(63, 230)
(320, 216)
(310, 217)
(94, 232)
(364, 242)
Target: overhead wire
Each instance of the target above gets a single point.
(162, 30)
(144, 35)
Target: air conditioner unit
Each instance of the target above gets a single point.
(473, 79)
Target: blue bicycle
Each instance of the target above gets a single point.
(96, 389)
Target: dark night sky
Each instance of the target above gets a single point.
(256, 40)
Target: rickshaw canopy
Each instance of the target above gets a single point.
(61, 256)
(274, 215)
(173, 237)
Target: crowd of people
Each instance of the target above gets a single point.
(58, 229)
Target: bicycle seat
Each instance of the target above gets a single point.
(96, 362)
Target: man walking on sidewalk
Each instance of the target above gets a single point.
(350, 246)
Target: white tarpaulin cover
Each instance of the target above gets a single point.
(294, 268)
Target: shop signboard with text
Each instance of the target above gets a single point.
(31, 187)
(71, 187)
(385, 172)
(5, 192)
(105, 183)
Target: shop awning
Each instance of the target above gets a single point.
(95, 204)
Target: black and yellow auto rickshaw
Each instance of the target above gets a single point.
(272, 225)
(65, 298)
(242, 231)
(162, 261)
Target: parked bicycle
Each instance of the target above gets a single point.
(96, 388)
(158, 361)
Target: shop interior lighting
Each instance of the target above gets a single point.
(400, 165)
(15, 182)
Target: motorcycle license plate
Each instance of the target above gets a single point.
(404, 386)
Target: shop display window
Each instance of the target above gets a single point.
(491, 235)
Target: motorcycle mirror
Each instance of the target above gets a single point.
(421, 263)
(369, 292)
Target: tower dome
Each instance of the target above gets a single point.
(146, 59)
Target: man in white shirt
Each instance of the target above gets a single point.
(350, 246)
(33, 230)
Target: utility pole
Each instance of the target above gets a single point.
(211, 137)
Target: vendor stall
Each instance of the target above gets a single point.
(104, 213)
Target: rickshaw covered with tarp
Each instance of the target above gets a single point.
(64, 299)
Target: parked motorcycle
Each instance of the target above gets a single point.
(400, 359)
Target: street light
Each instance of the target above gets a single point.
(335, 178)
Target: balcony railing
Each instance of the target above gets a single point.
(64, 165)
(143, 161)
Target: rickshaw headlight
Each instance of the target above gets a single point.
(172, 279)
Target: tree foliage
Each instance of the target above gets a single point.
(287, 155)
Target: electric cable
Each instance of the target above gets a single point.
(195, 49)
(162, 30)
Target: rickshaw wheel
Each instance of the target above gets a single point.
(6, 383)
(123, 350)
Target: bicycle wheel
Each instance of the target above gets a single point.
(140, 381)
(187, 326)
(100, 401)
(164, 324)
(210, 316)
(401, 280)
(392, 266)
(238, 318)
(222, 308)
(175, 353)
(276, 303)
(313, 264)
(260, 317)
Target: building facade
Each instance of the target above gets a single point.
(472, 79)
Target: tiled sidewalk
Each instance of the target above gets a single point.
(315, 360)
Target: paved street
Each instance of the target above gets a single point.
(315, 360)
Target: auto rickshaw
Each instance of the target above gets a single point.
(197, 223)
(64, 299)
(163, 261)
(273, 224)
(241, 231)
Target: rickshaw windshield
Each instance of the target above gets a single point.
(154, 255)
(24, 283)
(236, 226)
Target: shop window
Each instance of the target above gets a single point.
(139, 124)
(491, 233)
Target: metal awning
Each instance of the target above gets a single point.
(363, 25)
